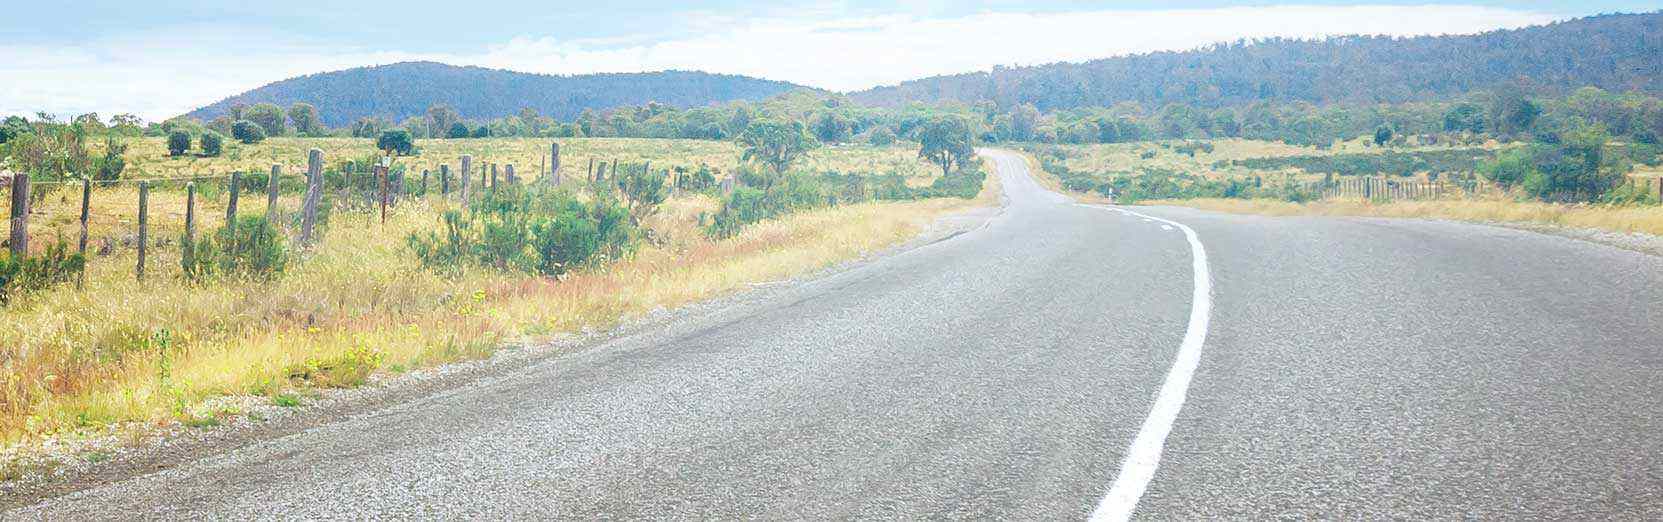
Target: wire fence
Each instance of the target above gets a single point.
(291, 200)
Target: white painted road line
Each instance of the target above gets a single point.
(1144, 456)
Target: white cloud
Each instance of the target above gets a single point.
(157, 78)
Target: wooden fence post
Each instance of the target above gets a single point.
(271, 194)
(20, 215)
(1660, 189)
(381, 175)
(509, 171)
(467, 172)
(554, 163)
(444, 180)
(424, 182)
(493, 183)
(190, 211)
(314, 192)
(86, 214)
(231, 213)
(590, 174)
(144, 225)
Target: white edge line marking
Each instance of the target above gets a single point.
(1144, 456)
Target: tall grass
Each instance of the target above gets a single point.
(125, 351)
(1615, 218)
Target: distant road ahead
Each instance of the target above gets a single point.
(1350, 368)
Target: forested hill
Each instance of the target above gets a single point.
(1614, 52)
(402, 90)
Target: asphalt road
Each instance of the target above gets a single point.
(1351, 368)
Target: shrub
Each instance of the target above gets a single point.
(482, 131)
(213, 143)
(178, 142)
(110, 166)
(535, 228)
(30, 273)
(881, 136)
(247, 132)
(397, 140)
(259, 251)
(457, 131)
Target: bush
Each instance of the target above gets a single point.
(30, 273)
(457, 131)
(881, 136)
(397, 140)
(213, 143)
(178, 143)
(110, 166)
(533, 228)
(248, 132)
(259, 251)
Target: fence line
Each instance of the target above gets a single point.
(384, 188)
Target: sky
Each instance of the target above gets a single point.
(161, 58)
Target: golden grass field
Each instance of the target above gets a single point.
(1642, 219)
(127, 353)
(1125, 157)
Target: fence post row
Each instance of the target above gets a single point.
(144, 225)
(20, 215)
(314, 190)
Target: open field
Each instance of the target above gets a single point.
(1491, 206)
(147, 157)
(1642, 219)
(122, 351)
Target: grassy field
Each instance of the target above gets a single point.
(127, 353)
(147, 157)
(1128, 158)
(1191, 157)
(1642, 219)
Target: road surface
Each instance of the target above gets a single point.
(1344, 368)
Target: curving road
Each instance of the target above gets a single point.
(1344, 368)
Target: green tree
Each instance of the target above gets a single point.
(946, 142)
(831, 127)
(213, 143)
(270, 118)
(440, 119)
(457, 130)
(398, 141)
(247, 132)
(178, 142)
(1382, 134)
(305, 118)
(776, 144)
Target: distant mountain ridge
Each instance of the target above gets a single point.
(1615, 52)
(407, 89)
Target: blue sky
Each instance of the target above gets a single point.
(158, 58)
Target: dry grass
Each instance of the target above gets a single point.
(122, 351)
(147, 157)
(1643, 219)
(1128, 157)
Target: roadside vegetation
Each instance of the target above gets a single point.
(248, 311)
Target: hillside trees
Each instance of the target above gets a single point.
(305, 118)
(270, 118)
